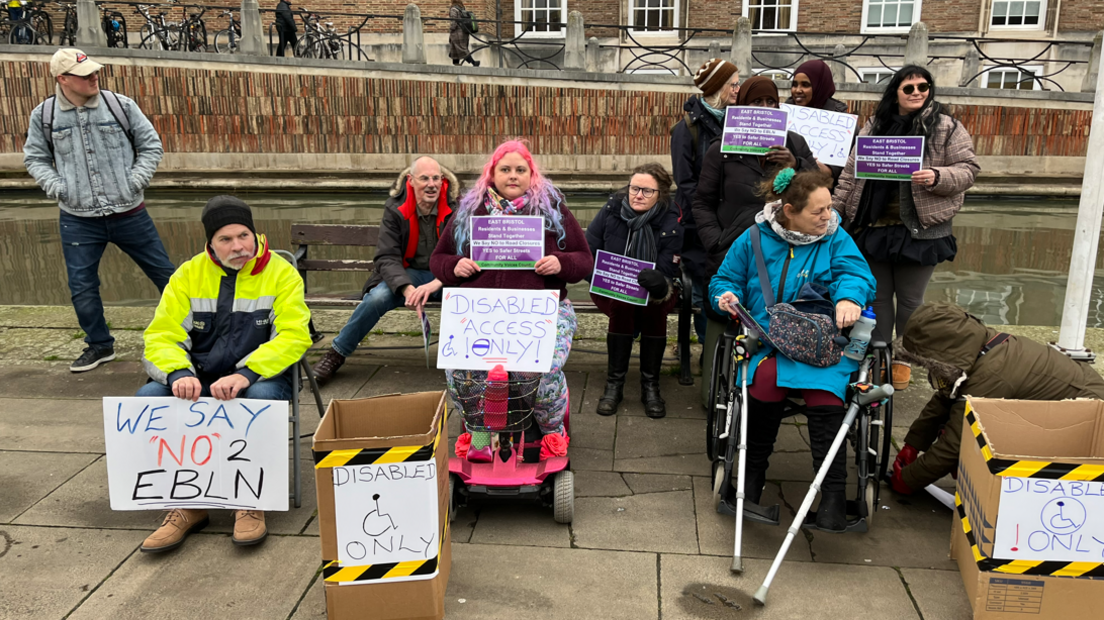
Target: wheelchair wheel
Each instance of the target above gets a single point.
(720, 382)
(718, 482)
(871, 500)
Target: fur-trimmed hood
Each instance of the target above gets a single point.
(944, 339)
(399, 186)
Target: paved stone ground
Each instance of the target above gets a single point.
(646, 541)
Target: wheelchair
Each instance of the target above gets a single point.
(868, 435)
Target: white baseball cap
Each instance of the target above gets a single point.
(74, 62)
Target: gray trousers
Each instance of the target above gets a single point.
(905, 281)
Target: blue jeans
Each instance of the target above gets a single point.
(276, 388)
(83, 241)
(377, 302)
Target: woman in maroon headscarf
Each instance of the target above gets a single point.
(813, 87)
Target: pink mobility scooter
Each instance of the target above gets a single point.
(497, 409)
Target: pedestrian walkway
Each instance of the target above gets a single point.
(645, 542)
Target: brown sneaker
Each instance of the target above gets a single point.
(327, 367)
(174, 529)
(249, 527)
(902, 374)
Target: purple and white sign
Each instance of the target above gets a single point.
(888, 158)
(507, 241)
(615, 277)
(752, 130)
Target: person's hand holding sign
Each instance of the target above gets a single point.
(654, 282)
(727, 302)
(187, 388)
(927, 177)
(548, 266)
(782, 156)
(466, 268)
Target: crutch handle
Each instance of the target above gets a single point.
(881, 392)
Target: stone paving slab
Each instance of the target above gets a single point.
(590, 459)
(717, 532)
(683, 464)
(682, 401)
(650, 522)
(313, 605)
(939, 594)
(78, 560)
(514, 523)
(52, 425)
(590, 430)
(656, 483)
(262, 582)
(40, 381)
(27, 477)
(538, 583)
(600, 484)
(696, 588)
(639, 437)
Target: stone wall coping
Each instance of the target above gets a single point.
(428, 71)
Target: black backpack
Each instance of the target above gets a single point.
(469, 24)
(113, 105)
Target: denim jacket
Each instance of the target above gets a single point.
(93, 171)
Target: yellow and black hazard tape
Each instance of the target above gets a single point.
(1046, 568)
(377, 456)
(1046, 470)
(333, 572)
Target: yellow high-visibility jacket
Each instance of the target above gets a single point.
(212, 322)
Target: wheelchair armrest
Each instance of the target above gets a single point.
(878, 345)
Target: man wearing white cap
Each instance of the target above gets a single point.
(95, 152)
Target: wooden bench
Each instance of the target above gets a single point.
(351, 235)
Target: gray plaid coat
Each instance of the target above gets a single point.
(953, 159)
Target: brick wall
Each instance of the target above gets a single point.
(221, 111)
(712, 13)
(829, 16)
(951, 15)
(1081, 16)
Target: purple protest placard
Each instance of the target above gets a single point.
(888, 158)
(615, 277)
(752, 130)
(507, 241)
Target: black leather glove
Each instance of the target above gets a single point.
(654, 282)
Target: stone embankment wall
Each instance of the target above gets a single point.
(294, 118)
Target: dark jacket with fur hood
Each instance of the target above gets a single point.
(395, 243)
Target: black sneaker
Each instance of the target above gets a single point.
(92, 358)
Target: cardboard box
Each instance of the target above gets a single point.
(379, 463)
(1029, 533)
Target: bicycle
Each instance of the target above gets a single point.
(114, 26)
(226, 40)
(68, 34)
(34, 27)
(157, 32)
(193, 32)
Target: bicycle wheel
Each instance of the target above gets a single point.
(44, 26)
(21, 34)
(304, 48)
(69, 30)
(199, 37)
(120, 33)
(222, 42)
(148, 37)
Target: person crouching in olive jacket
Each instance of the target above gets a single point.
(638, 222)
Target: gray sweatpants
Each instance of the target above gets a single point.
(905, 281)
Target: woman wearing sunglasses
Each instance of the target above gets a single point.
(639, 222)
(904, 228)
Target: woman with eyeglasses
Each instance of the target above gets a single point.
(813, 87)
(904, 229)
(728, 199)
(639, 222)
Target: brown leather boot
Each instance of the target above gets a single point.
(174, 529)
(327, 367)
(249, 527)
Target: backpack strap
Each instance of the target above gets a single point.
(761, 264)
(695, 135)
(993, 343)
(48, 121)
(116, 108)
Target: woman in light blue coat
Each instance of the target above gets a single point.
(802, 243)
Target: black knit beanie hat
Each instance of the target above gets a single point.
(223, 210)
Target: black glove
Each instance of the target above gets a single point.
(654, 282)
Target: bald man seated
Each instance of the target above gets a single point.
(421, 202)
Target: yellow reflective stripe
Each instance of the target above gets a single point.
(337, 458)
(1017, 567)
(396, 455)
(404, 569)
(1085, 472)
(1025, 469)
(347, 574)
(1075, 569)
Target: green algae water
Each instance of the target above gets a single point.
(1013, 253)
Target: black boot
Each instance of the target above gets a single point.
(824, 424)
(457, 61)
(619, 348)
(764, 420)
(474, 62)
(651, 360)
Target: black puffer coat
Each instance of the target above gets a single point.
(687, 156)
(607, 231)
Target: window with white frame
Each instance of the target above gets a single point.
(653, 15)
(890, 15)
(1012, 78)
(768, 15)
(880, 75)
(540, 17)
(1023, 14)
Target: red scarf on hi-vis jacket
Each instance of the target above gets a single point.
(409, 211)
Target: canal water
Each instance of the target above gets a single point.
(1011, 267)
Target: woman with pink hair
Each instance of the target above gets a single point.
(511, 184)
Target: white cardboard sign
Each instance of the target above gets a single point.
(828, 134)
(165, 453)
(483, 327)
(387, 514)
(1059, 520)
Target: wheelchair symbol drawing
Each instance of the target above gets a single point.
(1064, 515)
(447, 350)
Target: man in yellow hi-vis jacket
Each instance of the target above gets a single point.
(232, 322)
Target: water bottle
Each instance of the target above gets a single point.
(860, 336)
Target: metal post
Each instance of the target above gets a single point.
(498, 31)
(741, 47)
(575, 43)
(1088, 84)
(916, 50)
(1075, 310)
(413, 45)
(252, 39)
(89, 32)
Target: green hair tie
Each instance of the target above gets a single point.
(782, 179)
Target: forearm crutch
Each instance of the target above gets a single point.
(745, 348)
(862, 398)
